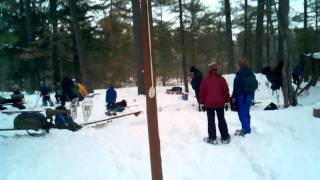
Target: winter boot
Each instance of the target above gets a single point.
(210, 140)
(225, 141)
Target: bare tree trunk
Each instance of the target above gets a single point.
(137, 32)
(259, 36)
(75, 58)
(183, 47)
(305, 14)
(246, 35)
(269, 21)
(231, 60)
(317, 15)
(29, 22)
(55, 56)
(80, 44)
(288, 92)
(35, 81)
(193, 53)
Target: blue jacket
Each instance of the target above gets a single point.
(237, 83)
(111, 95)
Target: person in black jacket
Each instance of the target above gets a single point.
(298, 70)
(196, 82)
(68, 90)
(274, 76)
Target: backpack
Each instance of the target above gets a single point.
(119, 106)
(271, 106)
(66, 122)
(31, 121)
(249, 84)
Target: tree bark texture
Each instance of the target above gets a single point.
(259, 36)
(137, 32)
(289, 95)
(317, 14)
(183, 48)
(80, 44)
(54, 55)
(230, 50)
(305, 14)
(29, 22)
(268, 40)
(246, 33)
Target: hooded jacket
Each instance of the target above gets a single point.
(214, 91)
(237, 83)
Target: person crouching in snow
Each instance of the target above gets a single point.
(111, 97)
(214, 94)
(196, 82)
(244, 86)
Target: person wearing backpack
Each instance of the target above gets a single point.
(244, 86)
(214, 95)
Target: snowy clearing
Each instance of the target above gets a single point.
(284, 143)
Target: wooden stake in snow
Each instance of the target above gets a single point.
(149, 82)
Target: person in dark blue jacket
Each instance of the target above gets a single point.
(196, 82)
(111, 97)
(45, 93)
(241, 98)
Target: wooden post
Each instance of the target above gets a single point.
(150, 87)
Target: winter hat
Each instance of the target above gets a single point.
(213, 66)
(193, 69)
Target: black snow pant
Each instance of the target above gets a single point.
(198, 99)
(46, 99)
(223, 128)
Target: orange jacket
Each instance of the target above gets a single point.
(82, 90)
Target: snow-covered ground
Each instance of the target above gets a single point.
(284, 144)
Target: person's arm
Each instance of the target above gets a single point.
(225, 90)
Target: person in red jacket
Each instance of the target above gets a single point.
(214, 95)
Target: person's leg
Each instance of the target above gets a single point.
(211, 124)
(198, 99)
(44, 101)
(57, 98)
(244, 112)
(240, 107)
(222, 124)
(50, 101)
(63, 99)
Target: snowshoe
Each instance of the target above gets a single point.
(226, 141)
(210, 141)
(239, 132)
(111, 113)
